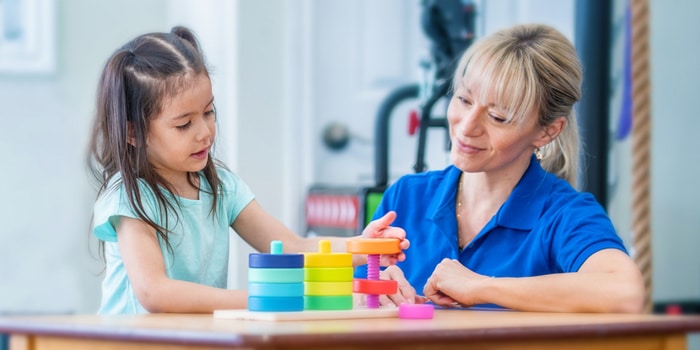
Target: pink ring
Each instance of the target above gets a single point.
(416, 311)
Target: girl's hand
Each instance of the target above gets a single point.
(380, 229)
(404, 294)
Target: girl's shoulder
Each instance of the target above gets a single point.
(228, 179)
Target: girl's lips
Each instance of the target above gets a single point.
(201, 154)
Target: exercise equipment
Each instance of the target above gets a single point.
(345, 211)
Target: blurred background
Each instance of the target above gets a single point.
(299, 85)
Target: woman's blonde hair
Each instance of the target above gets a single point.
(529, 68)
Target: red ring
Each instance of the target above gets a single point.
(375, 287)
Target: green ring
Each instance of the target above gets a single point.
(341, 302)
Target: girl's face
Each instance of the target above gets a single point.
(483, 140)
(180, 137)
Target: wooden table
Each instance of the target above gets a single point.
(450, 329)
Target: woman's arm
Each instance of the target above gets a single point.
(156, 292)
(608, 281)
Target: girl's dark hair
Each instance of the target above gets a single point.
(135, 82)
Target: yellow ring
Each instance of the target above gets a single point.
(327, 260)
(328, 274)
(327, 288)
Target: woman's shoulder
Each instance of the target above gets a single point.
(564, 201)
(427, 184)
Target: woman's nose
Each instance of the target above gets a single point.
(470, 121)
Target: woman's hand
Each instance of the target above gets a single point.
(452, 284)
(381, 228)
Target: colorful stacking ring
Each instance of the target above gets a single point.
(275, 289)
(280, 261)
(377, 287)
(340, 302)
(327, 260)
(276, 275)
(416, 311)
(275, 303)
(328, 274)
(373, 246)
(328, 288)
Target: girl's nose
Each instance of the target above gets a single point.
(206, 130)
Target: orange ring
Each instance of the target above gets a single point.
(375, 287)
(372, 246)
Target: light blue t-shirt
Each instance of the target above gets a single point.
(199, 240)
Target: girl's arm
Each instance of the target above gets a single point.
(259, 228)
(608, 281)
(156, 292)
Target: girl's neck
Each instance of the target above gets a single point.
(182, 187)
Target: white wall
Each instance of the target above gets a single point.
(45, 255)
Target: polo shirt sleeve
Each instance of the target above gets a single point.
(582, 230)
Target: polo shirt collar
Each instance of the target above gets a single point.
(521, 210)
(525, 204)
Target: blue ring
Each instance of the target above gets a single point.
(276, 303)
(280, 261)
(276, 289)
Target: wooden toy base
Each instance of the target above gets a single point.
(243, 314)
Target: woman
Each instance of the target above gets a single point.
(503, 225)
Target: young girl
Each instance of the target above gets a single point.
(165, 205)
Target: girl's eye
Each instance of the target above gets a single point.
(210, 113)
(184, 126)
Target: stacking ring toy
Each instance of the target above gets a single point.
(373, 247)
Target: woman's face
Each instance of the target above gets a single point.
(483, 140)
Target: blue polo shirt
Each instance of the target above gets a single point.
(544, 227)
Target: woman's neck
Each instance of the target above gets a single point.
(489, 189)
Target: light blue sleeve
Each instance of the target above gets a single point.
(114, 203)
(236, 194)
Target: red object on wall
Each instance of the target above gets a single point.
(328, 210)
(413, 122)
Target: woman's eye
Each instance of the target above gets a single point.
(464, 100)
(497, 118)
(210, 113)
(184, 126)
